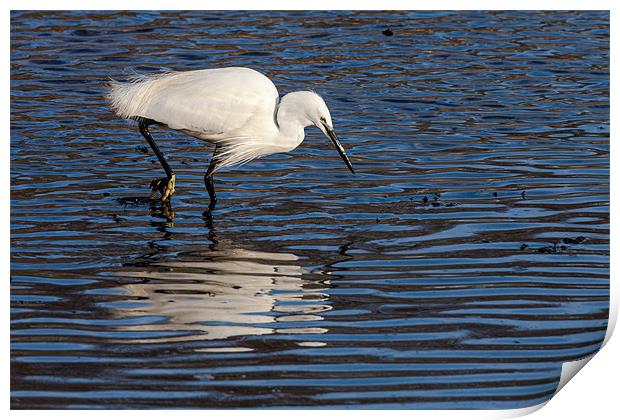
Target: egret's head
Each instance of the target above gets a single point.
(311, 109)
(318, 113)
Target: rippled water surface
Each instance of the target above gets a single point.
(467, 258)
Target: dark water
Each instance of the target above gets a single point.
(475, 134)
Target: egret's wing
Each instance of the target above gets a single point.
(209, 102)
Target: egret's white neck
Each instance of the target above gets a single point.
(291, 120)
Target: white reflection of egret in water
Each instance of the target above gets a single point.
(221, 294)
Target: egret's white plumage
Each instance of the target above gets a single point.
(235, 108)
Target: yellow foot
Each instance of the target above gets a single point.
(165, 186)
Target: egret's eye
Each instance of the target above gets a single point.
(323, 120)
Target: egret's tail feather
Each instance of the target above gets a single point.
(130, 99)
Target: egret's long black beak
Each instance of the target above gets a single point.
(341, 152)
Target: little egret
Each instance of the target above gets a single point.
(237, 109)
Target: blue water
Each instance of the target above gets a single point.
(459, 267)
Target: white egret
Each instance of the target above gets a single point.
(237, 109)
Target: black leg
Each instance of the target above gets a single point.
(165, 185)
(209, 179)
